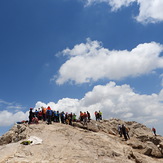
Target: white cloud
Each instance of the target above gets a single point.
(150, 11)
(11, 113)
(7, 118)
(68, 103)
(118, 101)
(91, 62)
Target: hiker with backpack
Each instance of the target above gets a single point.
(49, 115)
(74, 117)
(97, 115)
(85, 116)
(44, 113)
(124, 131)
(100, 115)
(81, 116)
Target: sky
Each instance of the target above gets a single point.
(82, 55)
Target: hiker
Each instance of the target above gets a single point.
(49, 115)
(127, 132)
(154, 131)
(96, 115)
(44, 113)
(124, 131)
(120, 130)
(40, 115)
(89, 116)
(54, 116)
(81, 116)
(74, 117)
(66, 118)
(57, 118)
(85, 118)
(62, 115)
(36, 113)
(70, 118)
(31, 115)
(100, 115)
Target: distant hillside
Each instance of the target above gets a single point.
(98, 142)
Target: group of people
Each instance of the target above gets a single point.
(85, 117)
(49, 115)
(123, 130)
(98, 115)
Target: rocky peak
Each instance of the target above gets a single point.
(98, 141)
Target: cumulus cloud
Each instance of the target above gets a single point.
(115, 101)
(64, 104)
(150, 11)
(118, 101)
(91, 62)
(8, 118)
(11, 113)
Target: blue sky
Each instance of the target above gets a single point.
(82, 55)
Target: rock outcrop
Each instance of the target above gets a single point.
(96, 142)
(15, 134)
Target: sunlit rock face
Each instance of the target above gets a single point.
(98, 141)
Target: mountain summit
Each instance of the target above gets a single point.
(97, 142)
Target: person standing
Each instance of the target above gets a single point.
(31, 115)
(85, 117)
(100, 115)
(62, 116)
(96, 115)
(44, 113)
(49, 115)
(57, 116)
(81, 116)
(154, 131)
(127, 132)
(124, 131)
(89, 116)
(120, 130)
